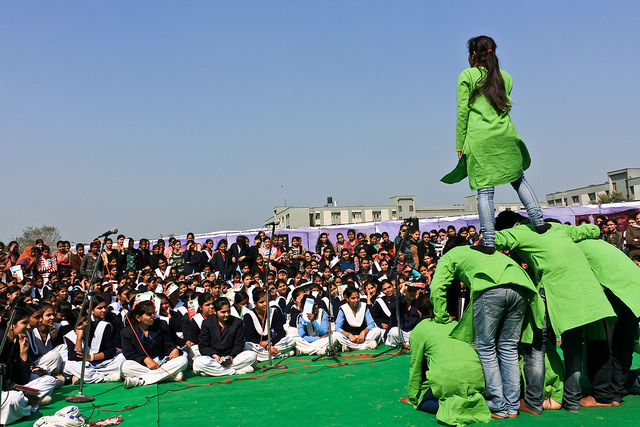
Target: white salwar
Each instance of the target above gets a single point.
(208, 366)
(167, 370)
(15, 405)
(393, 338)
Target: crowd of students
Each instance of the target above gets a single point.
(159, 310)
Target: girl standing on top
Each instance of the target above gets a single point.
(490, 150)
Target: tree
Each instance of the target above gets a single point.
(48, 233)
(613, 197)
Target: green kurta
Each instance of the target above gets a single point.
(615, 271)
(493, 152)
(451, 369)
(479, 272)
(574, 295)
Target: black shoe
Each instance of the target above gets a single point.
(541, 229)
(489, 250)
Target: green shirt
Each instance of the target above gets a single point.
(493, 152)
(451, 369)
(479, 272)
(615, 271)
(574, 295)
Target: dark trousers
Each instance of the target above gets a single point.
(609, 361)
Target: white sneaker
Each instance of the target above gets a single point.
(246, 370)
(112, 377)
(130, 382)
(373, 344)
(179, 376)
(46, 400)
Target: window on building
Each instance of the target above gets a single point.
(335, 216)
(394, 216)
(377, 215)
(410, 208)
(565, 202)
(615, 187)
(317, 216)
(399, 208)
(356, 216)
(592, 197)
(558, 202)
(575, 200)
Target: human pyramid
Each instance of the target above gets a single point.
(554, 280)
(158, 311)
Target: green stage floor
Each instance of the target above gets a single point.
(364, 392)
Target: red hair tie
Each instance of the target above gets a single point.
(489, 50)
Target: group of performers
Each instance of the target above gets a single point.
(558, 280)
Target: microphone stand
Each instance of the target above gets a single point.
(82, 398)
(331, 351)
(268, 313)
(400, 345)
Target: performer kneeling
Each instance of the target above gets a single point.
(222, 343)
(355, 327)
(255, 329)
(313, 331)
(150, 349)
(103, 365)
(445, 374)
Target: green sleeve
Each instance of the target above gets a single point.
(505, 240)
(416, 371)
(582, 232)
(463, 94)
(445, 273)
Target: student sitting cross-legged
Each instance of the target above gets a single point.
(222, 344)
(256, 331)
(355, 328)
(150, 350)
(313, 330)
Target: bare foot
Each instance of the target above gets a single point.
(405, 400)
(550, 404)
(590, 402)
(498, 417)
(525, 408)
(616, 403)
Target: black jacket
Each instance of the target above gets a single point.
(227, 342)
(159, 343)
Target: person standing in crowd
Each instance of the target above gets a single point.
(176, 261)
(219, 260)
(611, 234)
(237, 254)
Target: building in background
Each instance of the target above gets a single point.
(626, 181)
(399, 208)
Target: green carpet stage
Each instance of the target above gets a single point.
(363, 392)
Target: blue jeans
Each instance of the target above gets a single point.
(497, 321)
(486, 211)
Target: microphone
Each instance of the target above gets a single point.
(24, 292)
(106, 233)
(273, 223)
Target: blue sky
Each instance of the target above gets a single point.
(173, 116)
